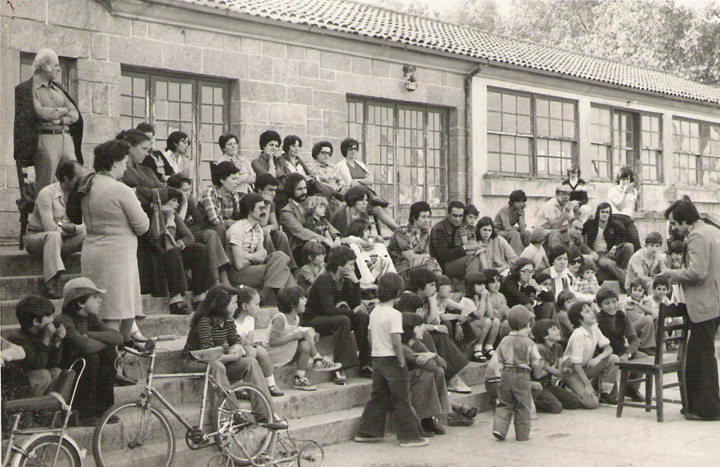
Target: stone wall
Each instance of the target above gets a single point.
(276, 80)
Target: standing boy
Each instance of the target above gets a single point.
(390, 389)
(516, 353)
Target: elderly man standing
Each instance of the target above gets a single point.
(700, 282)
(48, 125)
(510, 222)
(557, 211)
(446, 245)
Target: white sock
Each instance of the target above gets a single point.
(270, 380)
(300, 373)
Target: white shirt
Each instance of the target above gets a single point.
(582, 345)
(615, 197)
(384, 322)
(246, 326)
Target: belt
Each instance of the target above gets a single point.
(515, 369)
(53, 131)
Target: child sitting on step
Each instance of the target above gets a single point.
(313, 254)
(484, 322)
(289, 341)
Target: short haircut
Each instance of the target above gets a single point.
(248, 202)
(625, 172)
(574, 167)
(541, 277)
(587, 267)
(541, 328)
(419, 278)
(563, 297)
(409, 302)
(177, 180)
(471, 280)
(390, 286)
(338, 257)
(470, 210)
(145, 127)
(358, 227)
(317, 147)
(442, 279)
(517, 196)
(314, 201)
(483, 222)
(312, 249)
(289, 141)
(605, 293)
(109, 152)
(418, 208)
(223, 140)
(355, 194)
(491, 274)
(292, 181)
(637, 283)
(658, 281)
(267, 136)
(31, 308)
(346, 144)
(222, 170)
(42, 59)
(556, 252)
(683, 212)
(289, 298)
(174, 193)
(173, 139)
(133, 136)
(455, 204)
(264, 180)
(67, 170)
(574, 314)
(654, 237)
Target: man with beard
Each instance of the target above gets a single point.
(292, 217)
(607, 237)
(700, 281)
(252, 265)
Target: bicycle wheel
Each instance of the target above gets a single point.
(311, 454)
(141, 436)
(41, 452)
(240, 433)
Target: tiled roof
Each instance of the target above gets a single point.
(354, 18)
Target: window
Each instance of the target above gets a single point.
(622, 138)
(404, 146)
(530, 134)
(696, 152)
(26, 71)
(197, 107)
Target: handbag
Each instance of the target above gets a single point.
(156, 233)
(376, 200)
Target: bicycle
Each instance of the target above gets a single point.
(308, 454)
(244, 426)
(47, 447)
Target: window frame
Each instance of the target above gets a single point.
(534, 137)
(701, 157)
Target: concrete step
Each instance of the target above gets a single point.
(23, 264)
(17, 287)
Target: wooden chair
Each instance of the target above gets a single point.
(659, 364)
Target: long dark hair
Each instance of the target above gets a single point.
(215, 303)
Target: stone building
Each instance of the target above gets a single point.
(443, 111)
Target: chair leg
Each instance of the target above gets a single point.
(659, 395)
(621, 393)
(648, 392)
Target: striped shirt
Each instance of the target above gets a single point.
(247, 235)
(211, 332)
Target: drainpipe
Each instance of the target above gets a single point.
(468, 131)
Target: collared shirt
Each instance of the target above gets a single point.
(640, 267)
(47, 99)
(292, 166)
(246, 234)
(49, 210)
(549, 213)
(507, 218)
(327, 174)
(582, 344)
(408, 238)
(220, 207)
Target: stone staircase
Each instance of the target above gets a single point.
(328, 415)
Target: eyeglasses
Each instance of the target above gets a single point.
(577, 260)
(327, 153)
(527, 271)
(353, 148)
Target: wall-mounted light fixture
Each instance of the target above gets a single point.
(411, 83)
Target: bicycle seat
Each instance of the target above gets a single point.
(208, 355)
(50, 401)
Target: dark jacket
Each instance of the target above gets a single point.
(614, 232)
(619, 330)
(26, 125)
(325, 294)
(445, 242)
(87, 334)
(150, 163)
(38, 356)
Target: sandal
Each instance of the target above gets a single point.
(469, 411)
(479, 356)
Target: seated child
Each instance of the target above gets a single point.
(579, 365)
(88, 337)
(248, 307)
(545, 300)
(518, 356)
(483, 322)
(290, 341)
(660, 291)
(317, 221)
(313, 254)
(390, 374)
(639, 310)
(675, 254)
(41, 340)
(372, 256)
(455, 315)
(588, 283)
(535, 251)
(467, 230)
(493, 280)
(565, 301)
(553, 398)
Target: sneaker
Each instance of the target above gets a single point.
(325, 364)
(458, 385)
(431, 424)
(634, 395)
(367, 439)
(275, 391)
(301, 383)
(413, 443)
(339, 378)
(606, 398)
(499, 436)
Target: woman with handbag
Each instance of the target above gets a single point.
(355, 173)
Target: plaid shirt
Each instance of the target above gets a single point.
(220, 208)
(246, 235)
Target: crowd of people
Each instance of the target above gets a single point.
(409, 311)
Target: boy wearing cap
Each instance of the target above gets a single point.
(518, 355)
(647, 261)
(536, 251)
(557, 211)
(88, 338)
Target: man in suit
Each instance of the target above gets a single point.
(700, 281)
(48, 126)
